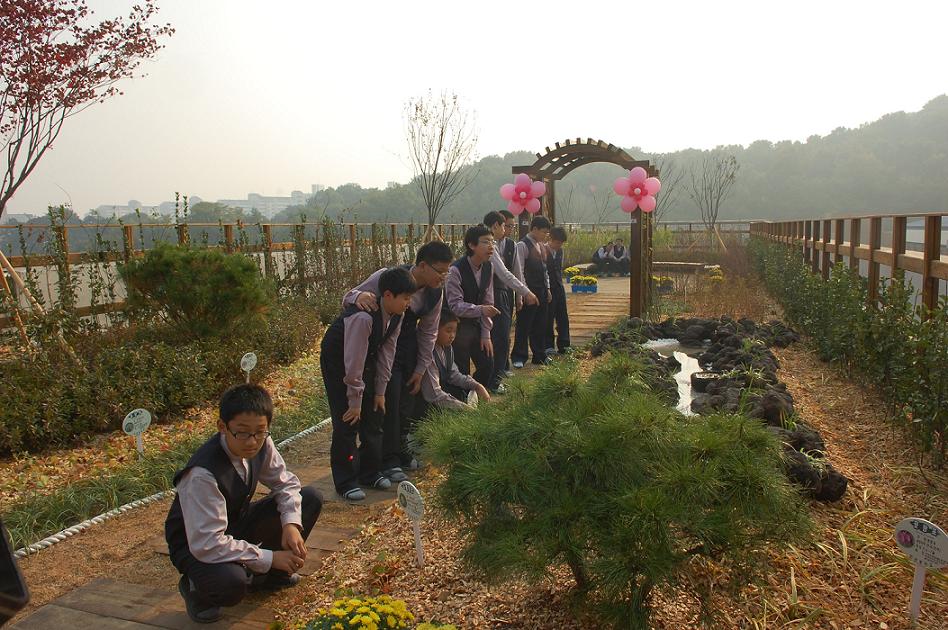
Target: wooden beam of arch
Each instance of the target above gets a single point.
(562, 160)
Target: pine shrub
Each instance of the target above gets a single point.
(602, 476)
(201, 292)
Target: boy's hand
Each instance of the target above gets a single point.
(531, 299)
(379, 403)
(549, 295)
(482, 393)
(414, 383)
(367, 301)
(488, 347)
(293, 540)
(286, 561)
(489, 310)
(352, 415)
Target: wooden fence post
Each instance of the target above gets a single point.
(855, 227)
(931, 251)
(807, 240)
(838, 240)
(815, 262)
(825, 263)
(128, 246)
(875, 242)
(352, 243)
(229, 238)
(268, 250)
(62, 235)
(394, 235)
(898, 242)
(184, 236)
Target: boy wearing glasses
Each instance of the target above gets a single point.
(222, 544)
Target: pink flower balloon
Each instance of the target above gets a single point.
(523, 194)
(638, 190)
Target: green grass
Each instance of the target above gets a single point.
(39, 515)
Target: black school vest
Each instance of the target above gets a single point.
(473, 294)
(237, 494)
(332, 347)
(534, 269)
(554, 267)
(444, 367)
(406, 350)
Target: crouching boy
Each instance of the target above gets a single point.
(222, 544)
(443, 384)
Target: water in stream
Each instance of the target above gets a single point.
(689, 365)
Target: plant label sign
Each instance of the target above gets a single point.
(410, 500)
(247, 363)
(135, 424)
(927, 545)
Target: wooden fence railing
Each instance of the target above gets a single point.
(824, 242)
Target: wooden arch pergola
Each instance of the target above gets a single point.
(566, 157)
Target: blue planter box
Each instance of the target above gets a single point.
(584, 289)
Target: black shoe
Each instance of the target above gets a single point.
(273, 581)
(198, 612)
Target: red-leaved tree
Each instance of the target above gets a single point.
(55, 61)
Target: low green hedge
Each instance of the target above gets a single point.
(898, 345)
(49, 400)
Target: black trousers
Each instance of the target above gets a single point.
(399, 418)
(558, 316)
(351, 465)
(531, 327)
(500, 335)
(467, 348)
(225, 583)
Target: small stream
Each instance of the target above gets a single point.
(689, 365)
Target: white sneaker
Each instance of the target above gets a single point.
(517, 364)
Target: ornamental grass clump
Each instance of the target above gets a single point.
(599, 475)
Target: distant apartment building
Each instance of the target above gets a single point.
(269, 206)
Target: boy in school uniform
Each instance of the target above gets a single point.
(505, 284)
(413, 350)
(620, 257)
(356, 358)
(558, 314)
(222, 544)
(530, 268)
(444, 385)
(469, 291)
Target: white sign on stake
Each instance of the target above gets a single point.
(410, 500)
(247, 363)
(135, 424)
(927, 545)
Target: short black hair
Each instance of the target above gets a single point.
(558, 234)
(473, 237)
(246, 398)
(540, 223)
(493, 218)
(447, 316)
(396, 280)
(506, 214)
(434, 252)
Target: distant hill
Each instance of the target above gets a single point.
(896, 164)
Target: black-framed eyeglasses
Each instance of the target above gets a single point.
(244, 436)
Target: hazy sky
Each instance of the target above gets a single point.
(274, 96)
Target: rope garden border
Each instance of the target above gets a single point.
(60, 536)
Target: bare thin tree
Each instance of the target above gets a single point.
(442, 144)
(602, 203)
(711, 183)
(672, 174)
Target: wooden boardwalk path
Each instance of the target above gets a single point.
(108, 604)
